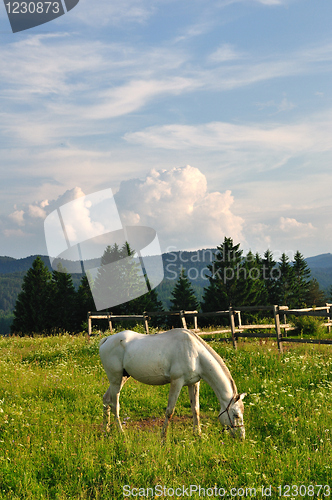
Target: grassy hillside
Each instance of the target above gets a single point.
(52, 445)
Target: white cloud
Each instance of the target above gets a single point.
(225, 3)
(15, 234)
(284, 105)
(294, 138)
(270, 2)
(37, 212)
(69, 195)
(68, 99)
(43, 65)
(295, 228)
(18, 217)
(178, 205)
(29, 214)
(115, 13)
(186, 214)
(259, 235)
(54, 74)
(133, 96)
(223, 54)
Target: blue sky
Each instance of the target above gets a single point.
(206, 118)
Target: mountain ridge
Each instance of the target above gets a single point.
(11, 264)
(194, 262)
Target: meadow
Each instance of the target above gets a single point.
(53, 446)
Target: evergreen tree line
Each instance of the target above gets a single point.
(248, 280)
(48, 302)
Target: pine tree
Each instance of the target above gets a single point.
(254, 289)
(286, 282)
(137, 284)
(301, 280)
(315, 296)
(63, 313)
(32, 308)
(147, 302)
(84, 302)
(183, 295)
(270, 276)
(119, 279)
(329, 294)
(227, 281)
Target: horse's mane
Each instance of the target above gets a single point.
(216, 356)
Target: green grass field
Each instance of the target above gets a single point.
(52, 445)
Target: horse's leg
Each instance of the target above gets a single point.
(194, 403)
(111, 402)
(116, 406)
(174, 392)
(107, 410)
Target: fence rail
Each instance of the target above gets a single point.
(236, 331)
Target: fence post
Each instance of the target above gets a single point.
(329, 317)
(195, 323)
(232, 322)
(110, 322)
(277, 326)
(239, 319)
(183, 319)
(146, 324)
(89, 324)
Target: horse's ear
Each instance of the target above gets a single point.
(239, 397)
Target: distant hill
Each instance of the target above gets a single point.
(195, 264)
(11, 265)
(321, 269)
(322, 260)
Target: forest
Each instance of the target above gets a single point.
(33, 298)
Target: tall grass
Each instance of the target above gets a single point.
(52, 445)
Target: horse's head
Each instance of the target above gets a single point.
(232, 416)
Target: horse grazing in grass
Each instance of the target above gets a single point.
(178, 357)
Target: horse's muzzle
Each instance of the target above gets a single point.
(238, 432)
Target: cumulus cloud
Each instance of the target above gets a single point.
(17, 217)
(178, 205)
(176, 202)
(295, 228)
(37, 211)
(29, 215)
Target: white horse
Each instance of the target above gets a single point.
(178, 357)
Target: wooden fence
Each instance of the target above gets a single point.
(234, 316)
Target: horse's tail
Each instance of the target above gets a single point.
(102, 341)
